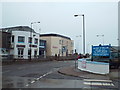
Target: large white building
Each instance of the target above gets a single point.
(24, 42)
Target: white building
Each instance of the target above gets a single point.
(23, 40)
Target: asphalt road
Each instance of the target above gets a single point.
(34, 69)
(43, 75)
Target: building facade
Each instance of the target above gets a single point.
(5, 44)
(58, 44)
(42, 48)
(24, 42)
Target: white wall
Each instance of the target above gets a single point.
(94, 67)
(26, 34)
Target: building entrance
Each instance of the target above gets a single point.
(20, 52)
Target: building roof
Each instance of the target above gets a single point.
(56, 35)
(18, 28)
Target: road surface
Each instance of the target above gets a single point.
(45, 75)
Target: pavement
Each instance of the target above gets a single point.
(72, 71)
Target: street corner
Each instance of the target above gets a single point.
(72, 71)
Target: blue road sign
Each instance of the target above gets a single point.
(101, 50)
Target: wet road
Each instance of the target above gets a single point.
(45, 75)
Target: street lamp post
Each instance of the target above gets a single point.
(83, 31)
(101, 36)
(31, 38)
(77, 52)
(77, 37)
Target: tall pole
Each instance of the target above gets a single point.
(78, 44)
(31, 39)
(83, 34)
(83, 31)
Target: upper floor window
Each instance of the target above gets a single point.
(21, 39)
(42, 43)
(12, 38)
(59, 41)
(62, 42)
(36, 41)
(29, 39)
(72, 44)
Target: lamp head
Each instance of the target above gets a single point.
(78, 15)
(75, 15)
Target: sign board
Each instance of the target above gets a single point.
(83, 63)
(54, 47)
(101, 50)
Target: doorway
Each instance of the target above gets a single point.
(20, 52)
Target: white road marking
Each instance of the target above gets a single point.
(44, 75)
(27, 85)
(92, 80)
(40, 76)
(98, 82)
(32, 81)
(87, 83)
(112, 84)
(36, 79)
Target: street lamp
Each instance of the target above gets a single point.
(31, 38)
(83, 31)
(78, 37)
(101, 36)
(77, 51)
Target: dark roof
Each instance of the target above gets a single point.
(56, 35)
(18, 28)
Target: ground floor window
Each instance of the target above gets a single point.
(35, 53)
(29, 52)
(20, 52)
(41, 52)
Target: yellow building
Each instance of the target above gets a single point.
(58, 44)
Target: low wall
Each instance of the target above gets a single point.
(94, 67)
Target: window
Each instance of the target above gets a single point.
(36, 41)
(62, 42)
(71, 52)
(35, 53)
(71, 44)
(20, 52)
(59, 41)
(21, 39)
(29, 39)
(67, 43)
(12, 39)
(42, 43)
(60, 51)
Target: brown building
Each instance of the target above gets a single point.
(5, 44)
(57, 44)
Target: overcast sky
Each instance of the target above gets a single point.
(58, 17)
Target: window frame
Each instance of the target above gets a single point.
(21, 41)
